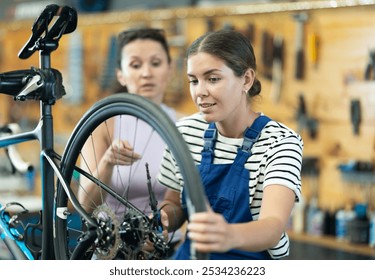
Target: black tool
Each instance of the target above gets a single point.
(250, 32)
(156, 219)
(300, 19)
(267, 54)
(370, 67)
(355, 115)
(304, 120)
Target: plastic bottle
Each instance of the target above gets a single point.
(298, 216)
(343, 216)
(311, 210)
(359, 226)
(315, 218)
(329, 222)
(317, 223)
(340, 224)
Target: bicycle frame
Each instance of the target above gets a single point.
(44, 134)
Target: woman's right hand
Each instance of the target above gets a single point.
(120, 152)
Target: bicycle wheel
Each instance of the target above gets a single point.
(102, 230)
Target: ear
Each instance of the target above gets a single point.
(249, 78)
(120, 77)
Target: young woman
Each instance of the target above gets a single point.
(143, 68)
(250, 165)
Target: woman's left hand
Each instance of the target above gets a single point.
(210, 232)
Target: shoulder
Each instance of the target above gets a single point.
(276, 132)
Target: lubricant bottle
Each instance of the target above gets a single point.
(298, 216)
(343, 216)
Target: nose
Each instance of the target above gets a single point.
(146, 71)
(200, 90)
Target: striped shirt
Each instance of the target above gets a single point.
(276, 159)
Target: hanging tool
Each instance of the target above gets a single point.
(355, 115)
(304, 120)
(249, 32)
(300, 19)
(312, 48)
(301, 115)
(370, 67)
(267, 54)
(277, 67)
(210, 25)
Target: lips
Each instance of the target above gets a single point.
(148, 86)
(206, 105)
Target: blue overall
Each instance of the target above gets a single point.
(227, 188)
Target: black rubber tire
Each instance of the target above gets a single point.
(139, 107)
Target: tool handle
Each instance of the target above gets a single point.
(300, 64)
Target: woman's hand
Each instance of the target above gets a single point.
(120, 152)
(210, 232)
(148, 245)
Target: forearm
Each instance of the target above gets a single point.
(256, 235)
(266, 231)
(212, 233)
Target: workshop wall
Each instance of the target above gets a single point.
(326, 105)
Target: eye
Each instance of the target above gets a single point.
(156, 63)
(214, 79)
(135, 65)
(193, 81)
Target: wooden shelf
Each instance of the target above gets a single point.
(332, 243)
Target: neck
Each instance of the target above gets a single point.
(236, 128)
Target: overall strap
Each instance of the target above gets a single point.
(252, 133)
(209, 138)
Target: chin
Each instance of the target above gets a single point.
(208, 117)
(148, 94)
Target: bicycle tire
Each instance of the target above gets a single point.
(150, 113)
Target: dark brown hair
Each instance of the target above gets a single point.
(131, 35)
(233, 48)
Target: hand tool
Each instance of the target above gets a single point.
(313, 48)
(355, 115)
(267, 54)
(300, 19)
(304, 120)
(249, 32)
(370, 67)
(277, 68)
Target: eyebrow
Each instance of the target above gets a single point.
(206, 73)
(139, 57)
